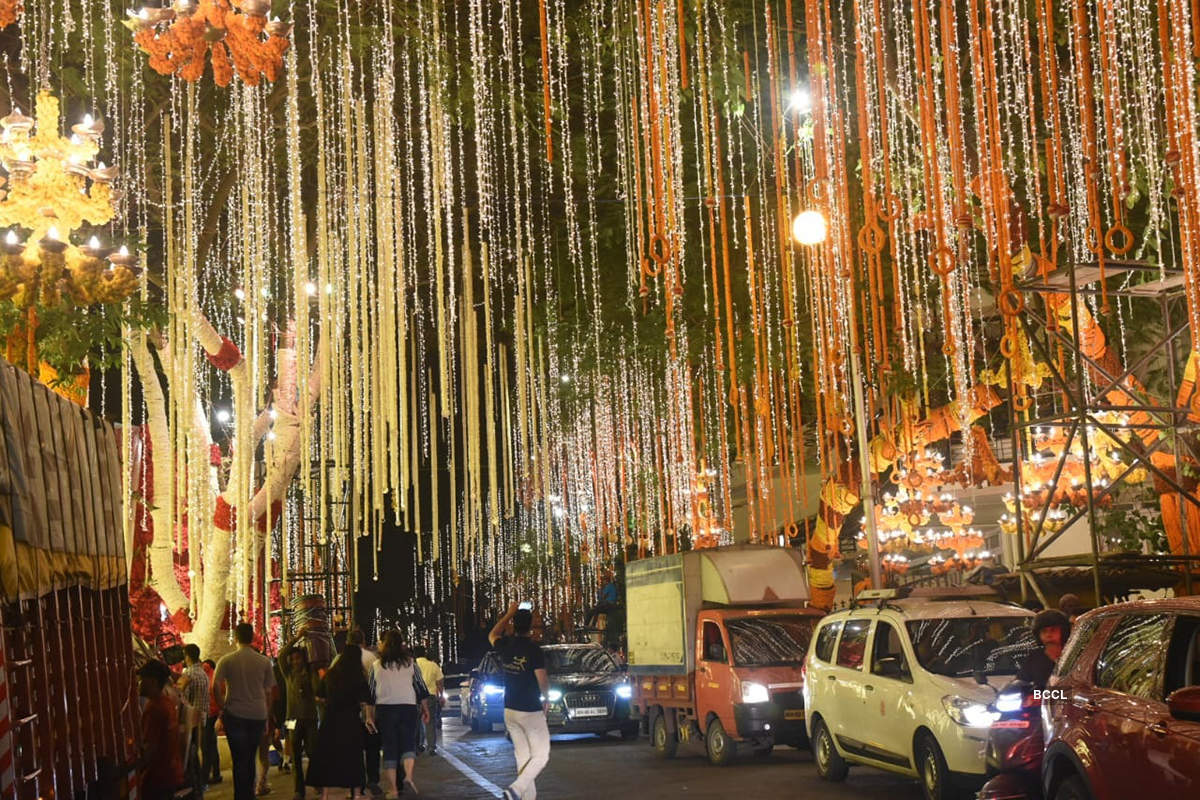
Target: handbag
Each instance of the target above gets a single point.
(419, 685)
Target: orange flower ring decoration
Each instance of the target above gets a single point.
(178, 40)
(9, 11)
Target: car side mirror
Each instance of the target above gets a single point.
(1184, 704)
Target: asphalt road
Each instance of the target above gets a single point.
(478, 765)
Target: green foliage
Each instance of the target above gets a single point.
(1133, 528)
(67, 335)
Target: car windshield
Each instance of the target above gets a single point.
(768, 641)
(578, 659)
(957, 647)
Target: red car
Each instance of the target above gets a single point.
(1122, 714)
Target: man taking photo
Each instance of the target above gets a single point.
(525, 687)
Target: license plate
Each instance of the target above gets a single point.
(590, 712)
(793, 713)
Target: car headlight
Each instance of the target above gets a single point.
(624, 691)
(1009, 702)
(491, 689)
(968, 713)
(754, 693)
(554, 695)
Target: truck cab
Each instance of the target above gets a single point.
(717, 640)
(749, 674)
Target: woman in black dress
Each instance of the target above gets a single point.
(338, 759)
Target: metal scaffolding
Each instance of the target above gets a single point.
(1080, 385)
(325, 559)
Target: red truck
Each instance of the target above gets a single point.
(68, 712)
(717, 639)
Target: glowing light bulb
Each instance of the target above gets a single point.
(94, 243)
(10, 237)
(810, 227)
(87, 119)
(800, 100)
(310, 289)
(52, 233)
(222, 415)
(124, 251)
(239, 294)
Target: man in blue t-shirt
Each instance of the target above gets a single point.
(525, 689)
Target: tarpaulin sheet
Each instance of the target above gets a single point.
(60, 493)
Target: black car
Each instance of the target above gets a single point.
(482, 695)
(589, 691)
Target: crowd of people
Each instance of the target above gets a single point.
(354, 728)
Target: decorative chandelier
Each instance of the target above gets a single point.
(178, 39)
(54, 188)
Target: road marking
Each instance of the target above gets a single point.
(452, 737)
(470, 774)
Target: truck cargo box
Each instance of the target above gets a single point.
(664, 594)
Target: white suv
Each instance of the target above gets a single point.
(904, 685)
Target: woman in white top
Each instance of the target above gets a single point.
(399, 691)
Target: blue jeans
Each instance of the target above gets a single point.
(244, 736)
(398, 728)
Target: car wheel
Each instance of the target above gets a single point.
(721, 749)
(830, 764)
(1072, 788)
(931, 765)
(665, 742)
(630, 733)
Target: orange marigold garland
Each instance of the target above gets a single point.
(177, 39)
(9, 11)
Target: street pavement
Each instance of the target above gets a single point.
(474, 766)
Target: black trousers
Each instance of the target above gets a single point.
(303, 739)
(210, 756)
(374, 743)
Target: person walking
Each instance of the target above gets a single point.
(244, 679)
(372, 742)
(209, 753)
(398, 690)
(272, 734)
(302, 683)
(337, 761)
(160, 765)
(434, 680)
(525, 684)
(194, 686)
